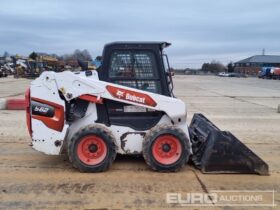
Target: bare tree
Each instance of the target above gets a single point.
(214, 67)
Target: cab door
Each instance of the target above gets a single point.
(136, 69)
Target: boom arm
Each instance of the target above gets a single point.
(73, 85)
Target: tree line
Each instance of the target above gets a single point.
(76, 55)
(216, 67)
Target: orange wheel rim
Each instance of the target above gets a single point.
(167, 149)
(92, 150)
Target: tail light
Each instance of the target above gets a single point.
(27, 107)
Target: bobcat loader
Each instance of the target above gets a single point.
(127, 106)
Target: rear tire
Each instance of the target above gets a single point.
(166, 148)
(92, 149)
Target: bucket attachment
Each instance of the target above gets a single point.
(216, 151)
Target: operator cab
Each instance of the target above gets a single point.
(140, 65)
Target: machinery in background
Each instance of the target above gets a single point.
(27, 67)
(3, 72)
(269, 73)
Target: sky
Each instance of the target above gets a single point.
(199, 30)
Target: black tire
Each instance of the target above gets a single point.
(150, 141)
(103, 135)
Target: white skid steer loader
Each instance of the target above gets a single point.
(127, 106)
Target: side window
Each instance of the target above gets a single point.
(136, 69)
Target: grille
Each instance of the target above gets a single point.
(135, 69)
(128, 64)
(143, 66)
(151, 86)
(131, 84)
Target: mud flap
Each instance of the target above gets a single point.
(216, 151)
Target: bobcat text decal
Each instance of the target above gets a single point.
(129, 95)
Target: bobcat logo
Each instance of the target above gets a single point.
(120, 94)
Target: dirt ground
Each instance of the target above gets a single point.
(245, 106)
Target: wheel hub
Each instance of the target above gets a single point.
(166, 147)
(93, 148)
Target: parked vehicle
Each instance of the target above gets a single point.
(223, 74)
(231, 74)
(3, 73)
(269, 73)
(265, 73)
(8, 68)
(275, 73)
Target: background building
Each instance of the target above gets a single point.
(254, 64)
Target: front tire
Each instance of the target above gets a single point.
(92, 149)
(166, 148)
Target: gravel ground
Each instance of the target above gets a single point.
(245, 106)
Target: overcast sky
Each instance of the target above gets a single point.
(199, 30)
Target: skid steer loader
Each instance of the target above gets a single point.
(127, 106)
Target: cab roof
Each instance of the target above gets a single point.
(137, 44)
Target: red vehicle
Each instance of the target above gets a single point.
(275, 72)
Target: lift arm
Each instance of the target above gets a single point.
(73, 85)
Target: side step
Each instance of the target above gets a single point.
(216, 151)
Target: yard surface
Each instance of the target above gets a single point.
(245, 106)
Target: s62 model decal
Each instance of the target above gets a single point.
(42, 109)
(51, 114)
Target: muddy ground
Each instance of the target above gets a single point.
(245, 106)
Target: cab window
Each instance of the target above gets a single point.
(136, 69)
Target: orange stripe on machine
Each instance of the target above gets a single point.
(91, 98)
(130, 95)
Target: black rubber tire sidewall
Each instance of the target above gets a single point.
(108, 140)
(150, 140)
